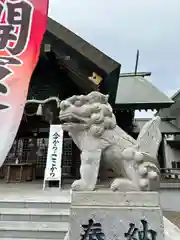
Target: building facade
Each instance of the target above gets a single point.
(172, 140)
(69, 65)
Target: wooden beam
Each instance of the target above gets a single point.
(139, 74)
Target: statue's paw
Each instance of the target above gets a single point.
(149, 170)
(78, 185)
(152, 175)
(123, 184)
(144, 184)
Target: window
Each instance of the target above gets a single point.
(176, 165)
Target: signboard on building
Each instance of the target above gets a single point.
(54, 155)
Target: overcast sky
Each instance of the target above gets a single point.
(120, 27)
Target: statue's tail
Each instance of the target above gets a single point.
(150, 138)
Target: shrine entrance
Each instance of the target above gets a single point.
(64, 69)
(26, 160)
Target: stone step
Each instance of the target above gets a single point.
(173, 216)
(34, 214)
(33, 230)
(62, 203)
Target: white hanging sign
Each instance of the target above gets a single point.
(54, 155)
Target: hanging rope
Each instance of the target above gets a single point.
(39, 111)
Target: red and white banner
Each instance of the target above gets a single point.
(22, 26)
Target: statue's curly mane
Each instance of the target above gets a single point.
(102, 117)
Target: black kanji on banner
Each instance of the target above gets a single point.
(16, 18)
(4, 73)
(145, 234)
(92, 231)
(3, 106)
(17, 25)
(9, 61)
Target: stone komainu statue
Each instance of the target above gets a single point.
(90, 121)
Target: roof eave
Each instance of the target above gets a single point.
(138, 74)
(166, 127)
(143, 106)
(87, 50)
(176, 95)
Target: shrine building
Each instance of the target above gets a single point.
(69, 65)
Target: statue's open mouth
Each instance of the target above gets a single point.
(66, 119)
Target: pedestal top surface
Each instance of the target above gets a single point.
(107, 198)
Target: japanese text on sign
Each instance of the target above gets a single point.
(92, 231)
(55, 142)
(145, 234)
(15, 28)
(54, 154)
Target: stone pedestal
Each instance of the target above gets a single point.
(106, 215)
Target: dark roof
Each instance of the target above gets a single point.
(139, 93)
(174, 144)
(82, 47)
(176, 95)
(172, 110)
(81, 60)
(165, 127)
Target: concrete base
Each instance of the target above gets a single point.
(116, 215)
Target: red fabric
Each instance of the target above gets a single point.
(22, 26)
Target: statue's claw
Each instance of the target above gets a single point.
(123, 184)
(78, 185)
(141, 171)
